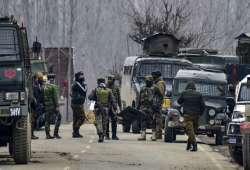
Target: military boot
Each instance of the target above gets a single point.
(101, 138)
(56, 135)
(48, 136)
(76, 134)
(143, 136)
(153, 137)
(159, 135)
(33, 137)
(188, 146)
(194, 147)
(107, 136)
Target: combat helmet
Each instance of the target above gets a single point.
(39, 76)
(156, 74)
(101, 80)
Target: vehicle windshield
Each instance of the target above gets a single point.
(205, 88)
(244, 95)
(39, 67)
(168, 70)
(9, 49)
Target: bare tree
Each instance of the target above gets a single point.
(163, 17)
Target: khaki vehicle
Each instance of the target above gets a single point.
(15, 85)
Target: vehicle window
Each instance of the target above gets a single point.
(244, 93)
(9, 49)
(38, 67)
(127, 70)
(168, 70)
(205, 88)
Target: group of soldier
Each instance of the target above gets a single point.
(45, 102)
(108, 103)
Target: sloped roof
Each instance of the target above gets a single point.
(243, 35)
(160, 34)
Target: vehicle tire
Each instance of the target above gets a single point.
(246, 151)
(22, 141)
(236, 154)
(169, 133)
(219, 138)
(136, 126)
(126, 127)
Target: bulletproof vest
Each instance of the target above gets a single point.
(147, 95)
(102, 95)
(160, 88)
(50, 96)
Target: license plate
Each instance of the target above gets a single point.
(218, 122)
(232, 140)
(15, 111)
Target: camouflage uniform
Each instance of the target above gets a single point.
(159, 90)
(104, 101)
(113, 115)
(193, 106)
(78, 96)
(145, 103)
(51, 108)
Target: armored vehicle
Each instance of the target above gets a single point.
(208, 58)
(213, 86)
(15, 86)
(240, 116)
(159, 54)
(136, 68)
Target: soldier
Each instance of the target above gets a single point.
(159, 90)
(36, 104)
(104, 101)
(78, 95)
(51, 106)
(193, 106)
(145, 103)
(113, 115)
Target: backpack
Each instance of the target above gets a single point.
(102, 95)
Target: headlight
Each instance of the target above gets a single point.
(12, 96)
(211, 112)
(181, 119)
(211, 122)
(22, 96)
(181, 109)
(232, 129)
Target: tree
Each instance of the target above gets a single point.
(161, 16)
